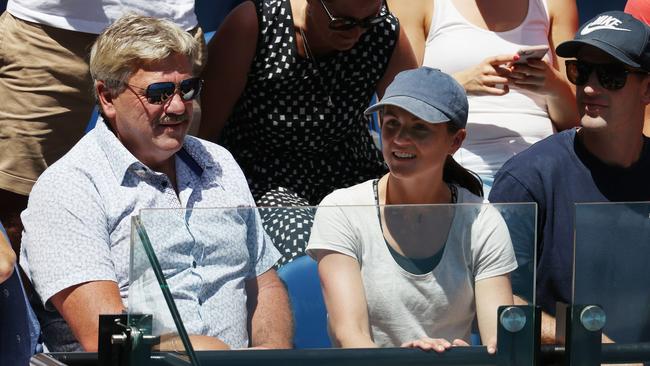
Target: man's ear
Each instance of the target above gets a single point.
(105, 99)
(645, 90)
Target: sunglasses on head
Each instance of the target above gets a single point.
(159, 93)
(610, 76)
(343, 23)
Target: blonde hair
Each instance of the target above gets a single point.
(133, 41)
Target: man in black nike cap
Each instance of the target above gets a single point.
(607, 159)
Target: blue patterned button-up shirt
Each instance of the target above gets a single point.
(78, 225)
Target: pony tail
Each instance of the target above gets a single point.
(455, 173)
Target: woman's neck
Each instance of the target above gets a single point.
(395, 191)
(301, 20)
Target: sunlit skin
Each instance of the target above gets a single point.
(323, 39)
(415, 151)
(612, 120)
(152, 133)
(413, 147)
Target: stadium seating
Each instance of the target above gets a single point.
(310, 315)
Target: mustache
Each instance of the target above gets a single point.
(173, 118)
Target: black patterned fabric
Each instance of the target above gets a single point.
(282, 132)
(289, 228)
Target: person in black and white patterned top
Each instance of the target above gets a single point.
(286, 85)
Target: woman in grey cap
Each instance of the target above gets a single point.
(383, 285)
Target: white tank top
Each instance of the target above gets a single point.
(498, 126)
(92, 16)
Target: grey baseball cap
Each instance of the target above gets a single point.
(429, 94)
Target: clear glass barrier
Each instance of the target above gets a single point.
(206, 254)
(151, 308)
(612, 266)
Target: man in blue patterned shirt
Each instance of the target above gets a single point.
(77, 224)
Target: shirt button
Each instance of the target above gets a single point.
(164, 184)
(6, 293)
(200, 302)
(193, 264)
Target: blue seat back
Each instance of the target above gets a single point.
(211, 13)
(588, 9)
(310, 315)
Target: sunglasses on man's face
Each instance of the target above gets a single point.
(610, 76)
(343, 23)
(159, 93)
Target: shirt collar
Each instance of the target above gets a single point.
(122, 160)
(119, 157)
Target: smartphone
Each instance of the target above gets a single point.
(530, 53)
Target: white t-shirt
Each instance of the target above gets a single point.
(92, 16)
(403, 306)
(498, 127)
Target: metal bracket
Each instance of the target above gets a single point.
(125, 340)
(518, 335)
(580, 328)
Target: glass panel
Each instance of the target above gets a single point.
(612, 266)
(206, 255)
(151, 308)
(522, 226)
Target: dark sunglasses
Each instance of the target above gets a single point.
(610, 76)
(346, 23)
(159, 93)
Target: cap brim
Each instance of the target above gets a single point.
(571, 49)
(416, 107)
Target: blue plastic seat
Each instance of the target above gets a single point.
(310, 314)
(588, 9)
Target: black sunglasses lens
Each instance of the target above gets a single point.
(611, 77)
(190, 88)
(158, 93)
(577, 72)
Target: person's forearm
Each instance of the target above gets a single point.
(271, 322)
(349, 337)
(561, 104)
(548, 329)
(548, 323)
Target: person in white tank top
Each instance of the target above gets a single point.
(511, 106)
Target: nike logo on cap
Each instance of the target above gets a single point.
(603, 22)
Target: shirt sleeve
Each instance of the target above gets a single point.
(65, 240)
(492, 251)
(263, 253)
(333, 230)
(507, 188)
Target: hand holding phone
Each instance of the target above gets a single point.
(531, 53)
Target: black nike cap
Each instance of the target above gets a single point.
(619, 34)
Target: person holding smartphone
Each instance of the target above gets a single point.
(511, 104)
